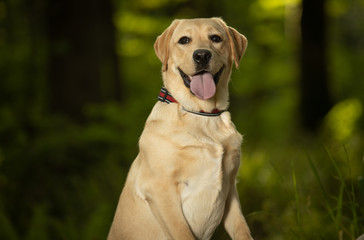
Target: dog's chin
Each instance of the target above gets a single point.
(187, 78)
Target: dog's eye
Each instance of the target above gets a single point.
(215, 38)
(184, 40)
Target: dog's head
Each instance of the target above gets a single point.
(197, 55)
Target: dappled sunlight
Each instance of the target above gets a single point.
(254, 166)
(337, 8)
(343, 119)
(268, 5)
(135, 32)
(141, 25)
(154, 4)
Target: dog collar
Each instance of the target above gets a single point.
(165, 96)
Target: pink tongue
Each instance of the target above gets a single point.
(203, 86)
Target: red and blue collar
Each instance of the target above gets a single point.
(165, 96)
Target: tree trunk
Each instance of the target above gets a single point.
(315, 99)
(83, 63)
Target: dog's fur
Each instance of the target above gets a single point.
(182, 183)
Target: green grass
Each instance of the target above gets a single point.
(315, 196)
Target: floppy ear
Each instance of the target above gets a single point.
(161, 45)
(238, 44)
(237, 41)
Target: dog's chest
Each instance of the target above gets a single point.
(203, 198)
(205, 188)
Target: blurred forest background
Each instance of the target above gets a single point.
(79, 78)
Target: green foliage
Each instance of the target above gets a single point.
(311, 195)
(61, 179)
(65, 180)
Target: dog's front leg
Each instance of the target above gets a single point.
(234, 220)
(165, 203)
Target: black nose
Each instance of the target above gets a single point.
(202, 56)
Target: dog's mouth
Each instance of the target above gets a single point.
(202, 84)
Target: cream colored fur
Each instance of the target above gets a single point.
(182, 183)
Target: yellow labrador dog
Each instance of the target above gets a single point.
(182, 183)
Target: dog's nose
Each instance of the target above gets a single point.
(202, 56)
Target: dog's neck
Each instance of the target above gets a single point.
(165, 96)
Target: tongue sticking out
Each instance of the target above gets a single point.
(203, 86)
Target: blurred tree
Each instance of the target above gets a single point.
(82, 63)
(315, 97)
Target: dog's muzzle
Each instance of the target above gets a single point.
(202, 84)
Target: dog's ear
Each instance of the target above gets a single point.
(238, 44)
(161, 45)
